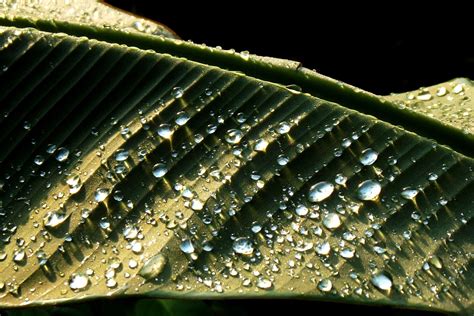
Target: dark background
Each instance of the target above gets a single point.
(365, 47)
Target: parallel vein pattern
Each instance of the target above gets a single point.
(126, 171)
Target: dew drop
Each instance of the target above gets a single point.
(243, 245)
(260, 145)
(282, 160)
(331, 221)
(153, 267)
(121, 155)
(320, 191)
(283, 128)
(101, 194)
(323, 248)
(233, 136)
(74, 182)
(369, 190)
(182, 118)
(409, 193)
(382, 281)
(78, 281)
(264, 283)
(42, 257)
(19, 256)
(54, 219)
(301, 210)
(62, 154)
(38, 160)
(177, 92)
(325, 285)
(159, 170)
(368, 157)
(187, 246)
(197, 205)
(165, 131)
(347, 253)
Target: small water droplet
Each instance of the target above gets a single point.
(121, 155)
(39, 160)
(409, 193)
(159, 170)
(197, 205)
(301, 210)
(320, 191)
(264, 283)
(282, 160)
(104, 223)
(187, 246)
(62, 154)
(111, 283)
(165, 131)
(182, 118)
(130, 232)
(368, 157)
(54, 219)
(74, 182)
(78, 281)
(331, 221)
(233, 136)
(260, 145)
(325, 285)
(243, 245)
(424, 96)
(177, 92)
(441, 91)
(19, 256)
(458, 88)
(153, 267)
(101, 194)
(42, 257)
(369, 190)
(323, 248)
(382, 281)
(283, 128)
(347, 253)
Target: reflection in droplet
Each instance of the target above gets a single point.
(369, 190)
(320, 191)
(243, 245)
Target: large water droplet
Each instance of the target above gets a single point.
(165, 131)
(368, 157)
(347, 253)
(19, 255)
(260, 145)
(325, 285)
(233, 136)
(62, 154)
(264, 283)
(182, 118)
(78, 281)
(243, 245)
(323, 248)
(153, 267)
(54, 219)
(197, 205)
(121, 155)
(369, 190)
(283, 128)
(301, 210)
(409, 193)
(320, 191)
(187, 246)
(382, 281)
(159, 170)
(332, 221)
(101, 194)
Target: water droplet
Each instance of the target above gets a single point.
(325, 285)
(368, 157)
(177, 92)
(121, 155)
(369, 190)
(340, 179)
(283, 128)
(111, 283)
(409, 194)
(436, 262)
(42, 257)
(159, 170)
(104, 223)
(264, 283)
(38, 160)
(132, 264)
(62, 154)
(130, 232)
(323, 248)
(282, 160)
(196, 205)
(347, 253)
(243, 245)
(432, 176)
(442, 91)
(382, 281)
(458, 88)
(78, 281)
(301, 210)
(320, 191)
(101, 194)
(260, 145)
(54, 219)
(424, 96)
(165, 131)
(182, 118)
(187, 246)
(19, 255)
(233, 136)
(331, 221)
(85, 212)
(74, 182)
(153, 267)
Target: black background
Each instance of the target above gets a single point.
(365, 47)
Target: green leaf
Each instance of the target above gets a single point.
(128, 171)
